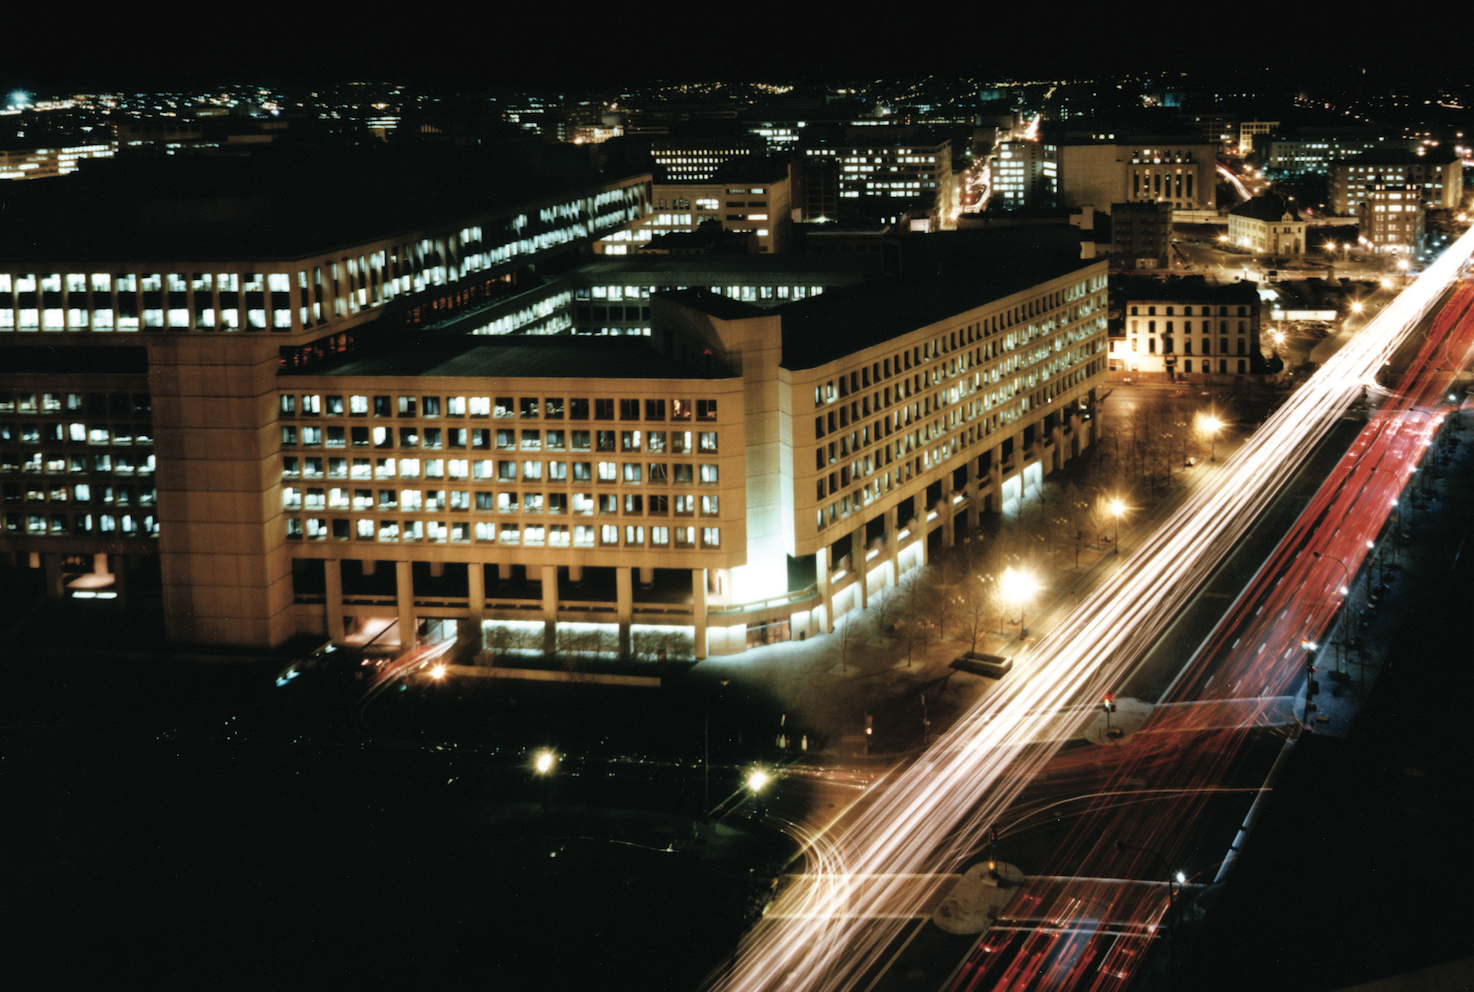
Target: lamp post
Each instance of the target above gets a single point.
(1118, 510)
(757, 779)
(1212, 425)
(1345, 591)
(544, 762)
(1018, 587)
(1122, 846)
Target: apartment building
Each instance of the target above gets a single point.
(1437, 178)
(1187, 327)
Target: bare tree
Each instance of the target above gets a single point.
(852, 630)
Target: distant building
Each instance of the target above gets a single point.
(50, 161)
(1187, 327)
(1437, 178)
(1025, 175)
(1267, 225)
(1390, 217)
(882, 163)
(685, 157)
(1141, 235)
(1173, 171)
(748, 196)
(1313, 149)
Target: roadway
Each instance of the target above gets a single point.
(933, 814)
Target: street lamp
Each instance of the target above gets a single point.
(757, 780)
(1017, 588)
(543, 764)
(1179, 878)
(1118, 510)
(1345, 591)
(1212, 425)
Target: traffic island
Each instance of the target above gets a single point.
(977, 900)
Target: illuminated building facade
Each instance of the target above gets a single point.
(1147, 170)
(312, 440)
(141, 420)
(897, 164)
(756, 200)
(1390, 217)
(1267, 224)
(1437, 178)
(942, 398)
(1025, 175)
(49, 162)
(1186, 327)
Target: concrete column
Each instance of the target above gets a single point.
(857, 561)
(119, 568)
(55, 579)
(971, 506)
(504, 571)
(826, 594)
(949, 536)
(476, 590)
(575, 574)
(404, 591)
(333, 572)
(893, 543)
(624, 605)
(698, 609)
(550, 608)
(647, 577)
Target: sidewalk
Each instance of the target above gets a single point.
(819, 695)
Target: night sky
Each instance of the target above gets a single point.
(281, 46)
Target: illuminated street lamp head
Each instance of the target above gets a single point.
(757, 779)
(438, 672)
(1118, 508)
(1017, 585)
(544, 761)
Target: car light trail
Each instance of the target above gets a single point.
(1292, 600)
(935, 811)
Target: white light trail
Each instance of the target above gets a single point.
(933, 813)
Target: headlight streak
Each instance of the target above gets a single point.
(933, 812)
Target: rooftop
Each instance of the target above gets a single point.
(278, 202)
(933, 278)
(559, 357)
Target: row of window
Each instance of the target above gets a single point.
(503, 470)
(75, 433)
(1187, 311)
(482, 439)
(945, 344)
(1187, 346)
(82, 524)
(57, 463)
(295, 405)
(82, 492)
(499, 502)
(114, 405)
(486, 532)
